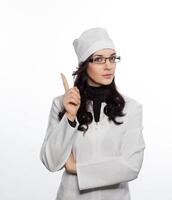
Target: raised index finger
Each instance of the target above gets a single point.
(65, 83)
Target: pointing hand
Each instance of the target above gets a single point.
(71, 98)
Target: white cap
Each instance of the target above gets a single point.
(90, 41)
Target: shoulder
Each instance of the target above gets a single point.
(131, 104)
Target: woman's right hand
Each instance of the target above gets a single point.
(71, 99)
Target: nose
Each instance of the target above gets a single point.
(108, 64)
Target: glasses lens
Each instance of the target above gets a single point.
(112, 59)
(98, 60)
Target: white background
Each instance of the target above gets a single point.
(36, 45)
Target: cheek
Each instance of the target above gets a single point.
(93, 71)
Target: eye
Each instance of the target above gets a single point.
(113, 58)
(98, 59)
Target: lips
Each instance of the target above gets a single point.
(107, 74)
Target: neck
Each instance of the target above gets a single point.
(98, 93)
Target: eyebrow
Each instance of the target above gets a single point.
(102, 55)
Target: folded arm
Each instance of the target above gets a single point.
(116, 169)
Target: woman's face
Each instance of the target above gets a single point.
(96, 71)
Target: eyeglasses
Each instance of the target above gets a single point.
(102, 60)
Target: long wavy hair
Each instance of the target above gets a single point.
(114, 100)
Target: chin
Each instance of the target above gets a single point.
(107, 82)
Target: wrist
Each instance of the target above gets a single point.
(70, 117)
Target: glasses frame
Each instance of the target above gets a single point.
(105, 58)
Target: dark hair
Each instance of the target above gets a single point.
(113, 108)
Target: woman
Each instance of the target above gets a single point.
(94, 132)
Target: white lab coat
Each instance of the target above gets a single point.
(107, 157)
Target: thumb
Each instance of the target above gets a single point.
(65, 83)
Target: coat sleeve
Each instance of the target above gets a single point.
(117, 169)
(57, 144)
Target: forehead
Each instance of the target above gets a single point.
(104, 52)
